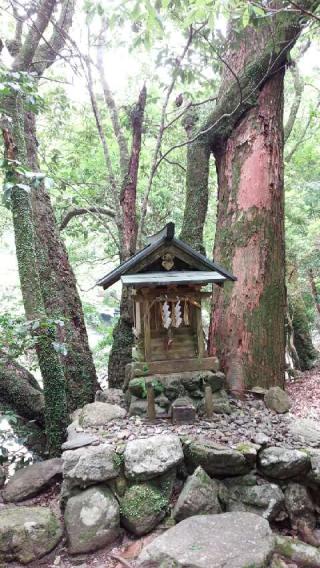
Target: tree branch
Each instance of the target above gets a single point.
(97, 117)
(303, 10)
(113, 111)
(24, 57)
(47, 53)
(78, 211)
(290, 154)
(298, 84)
(155, 163)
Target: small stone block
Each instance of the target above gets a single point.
(183, 412)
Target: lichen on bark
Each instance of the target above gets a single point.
(49, 362)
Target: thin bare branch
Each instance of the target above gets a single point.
(113, 110)
(79, 211)
(154, 163)
(301, 138)
(98, 120)
(304, 11)
(298, 84)
(172, 163)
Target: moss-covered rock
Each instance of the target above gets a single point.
(299, 505)
(144, 504)
(266, 500)
(27, 533)
(90, 465)
(99, 414)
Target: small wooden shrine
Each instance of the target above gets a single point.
(166, 278)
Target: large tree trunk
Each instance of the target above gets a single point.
(245, 133)
(20, 390)
(59, 288)
(121, 351)
(49, 362)
(247, 328)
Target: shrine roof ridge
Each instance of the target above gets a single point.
(166, 235)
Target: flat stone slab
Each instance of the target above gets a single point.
(229, 540)
(98, 414)
(306, 430)
(85, 466)
(282, 463)
(79, 440)
(32, 479)
(149, 457)
(216, 460)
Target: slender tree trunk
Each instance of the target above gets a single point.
(49, 361)
(247, 328)
(195, 211)
(301, 332)
(314, 291)
(129, 191)
(121, 352)
(59, 288)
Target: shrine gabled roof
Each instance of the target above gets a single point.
(162, 242)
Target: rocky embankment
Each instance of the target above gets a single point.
(233, 476)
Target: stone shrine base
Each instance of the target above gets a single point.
(247, 466)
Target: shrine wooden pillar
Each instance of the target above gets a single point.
(199, 331)
(146, 329)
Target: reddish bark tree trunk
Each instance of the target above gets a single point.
(247, 327)
(129, 192)
(121, 352)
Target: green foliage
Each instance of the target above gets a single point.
(15, 336)
(18, 336)
(23, 83)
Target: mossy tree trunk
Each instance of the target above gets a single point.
(49, 360)
(57, 282)
(301, 333)
(20, 390)
(121, 351)
(59, 288)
